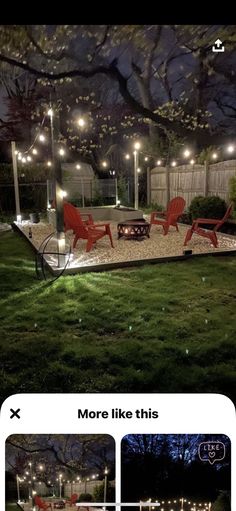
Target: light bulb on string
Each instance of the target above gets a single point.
(28, 158)
(49, 163)
(34, 151)
(42, 137)
(127, 157)
(81, 122)
(173, 164)
(158, 162)
(187, 153)
(192, 162)
(61, 151)
(78, 166)
(63, 194)
(230, 148)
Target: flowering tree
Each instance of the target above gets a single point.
(164, 73)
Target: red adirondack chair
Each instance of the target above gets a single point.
(69, 217)
(174, 210)
(90, 232)
(41, 504)
(211, 235)
(72, 501)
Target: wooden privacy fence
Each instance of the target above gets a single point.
(188, 181)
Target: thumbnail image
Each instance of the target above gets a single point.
(59, 472)
(176, 472)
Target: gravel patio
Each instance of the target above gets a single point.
(156, 247)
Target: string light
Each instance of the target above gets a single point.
(81, 122)
(187, 153)
(137, 146)
(78, 166)
(63, 194)
(49, 163)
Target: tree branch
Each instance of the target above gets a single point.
(113, 72)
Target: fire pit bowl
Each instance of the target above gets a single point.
(133, 229)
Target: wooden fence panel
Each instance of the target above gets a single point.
(188, 181)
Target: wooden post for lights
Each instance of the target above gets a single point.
(18, 487)
(105, 486)
(136, 179)
(57, 178)
(16, 184)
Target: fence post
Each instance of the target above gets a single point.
(82, 191)
(128, 191)
(116, 184)
(206, 178)
(148, 186)
(167, 184)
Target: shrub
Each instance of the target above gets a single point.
(185, 218)
(99, 493)
(85, 497)
(122, 190)
(154, 206)
(232, 190)
(207, 207)
(222, 502)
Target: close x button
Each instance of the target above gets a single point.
(14, 413)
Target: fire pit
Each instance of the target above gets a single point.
(133, 229)
(59, 505)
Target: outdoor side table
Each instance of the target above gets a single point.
(133, 229)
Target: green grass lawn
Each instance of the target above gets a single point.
(12, 507)
(159, 328)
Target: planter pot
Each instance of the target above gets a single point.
(34, 218)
